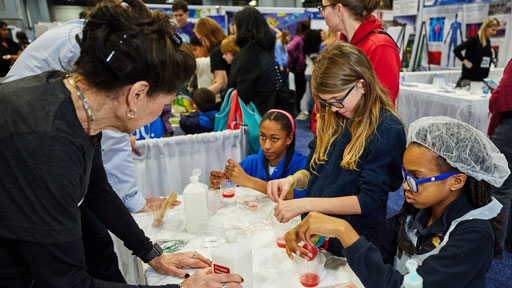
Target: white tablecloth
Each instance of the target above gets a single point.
(271, 265)
(450, 76)
(417, 100)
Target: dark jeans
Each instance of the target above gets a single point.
(100, 258)
(502, 138)
(300, 87)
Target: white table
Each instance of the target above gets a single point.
(416, 100)
(449, 75)
(271, 265)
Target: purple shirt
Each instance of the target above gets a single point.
(186, 32)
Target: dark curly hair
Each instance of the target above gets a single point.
(123, 43)
(478, 193)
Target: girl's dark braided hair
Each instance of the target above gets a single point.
(286, 126)
(478, 193)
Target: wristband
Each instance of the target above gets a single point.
(155, 252)
(307, 180)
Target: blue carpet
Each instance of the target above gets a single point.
(500, 272)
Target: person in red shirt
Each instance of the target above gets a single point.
(500, 125)
(357, 26)
(354, 21)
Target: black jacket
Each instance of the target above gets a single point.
(253, 74)
(475, 52)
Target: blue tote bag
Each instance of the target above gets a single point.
(234, 113)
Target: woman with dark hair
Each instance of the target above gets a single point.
(130, 66)
(9, 50)
(296, 62)
(449, 223)
(211, 35)
(252, 71)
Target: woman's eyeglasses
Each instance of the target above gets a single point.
(321, 8)
(336, 103)
(413, 182)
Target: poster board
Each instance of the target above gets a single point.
(451, 22)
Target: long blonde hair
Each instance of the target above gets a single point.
(489, 23)
(338, 68)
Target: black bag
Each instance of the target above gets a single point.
(285, 98)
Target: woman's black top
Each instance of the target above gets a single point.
(479, 56)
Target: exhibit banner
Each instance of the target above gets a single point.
(447, 26)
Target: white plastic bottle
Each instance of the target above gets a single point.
(412, 279)
(234, 258)
(196, 204)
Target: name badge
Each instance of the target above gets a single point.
(486, 62)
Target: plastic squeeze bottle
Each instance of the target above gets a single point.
(234, 258)
(412, 279)
(196, 204)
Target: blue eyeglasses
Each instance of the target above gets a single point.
(413, 182)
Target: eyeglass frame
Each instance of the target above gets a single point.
(321, 8)
(414, 183)
(331, 103)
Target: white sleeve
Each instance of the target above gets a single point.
(119, 165)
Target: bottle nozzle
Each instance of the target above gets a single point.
(412, 279)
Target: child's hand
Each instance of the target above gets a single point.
(235, 172)
(277, 189)
(216, 178)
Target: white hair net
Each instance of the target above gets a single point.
(463, 147)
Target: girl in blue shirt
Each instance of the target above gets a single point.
(276, 158)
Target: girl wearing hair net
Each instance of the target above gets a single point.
(449, 220)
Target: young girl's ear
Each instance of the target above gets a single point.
(290, 138)
(458, 181)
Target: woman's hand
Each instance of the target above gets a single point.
(133, 140)
(205, 279)
(288, 209)
(235, 173)
(152, 200)
(216, 178)
(316, 224)
(170, 264)
(277, 189)
(467, 63)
